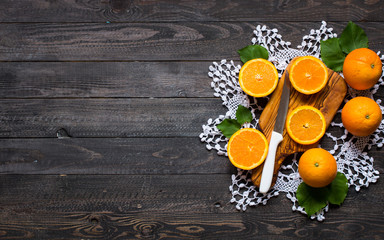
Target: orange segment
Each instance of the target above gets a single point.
(258, 77)
(306, 125)
(308, 75)
(247, 148)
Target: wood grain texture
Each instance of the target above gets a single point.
(101, 105)
(121, 41)
(110, 117)
(116, 193)
(121, 156)
(104, 79)
(185, 11)
(121, 207)
(328, 101)
(130, 117)
(110, 156)
(183, 41)
(106, 225)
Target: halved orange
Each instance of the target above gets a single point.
(308, 74)
(258, 77)
(247, 148)
(306, 125)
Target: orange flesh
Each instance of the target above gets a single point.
(307, 125)
(308, 74)
(260, 77)
(247, 149)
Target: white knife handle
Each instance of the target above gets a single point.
(269, 164)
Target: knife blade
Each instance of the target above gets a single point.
(276, 137)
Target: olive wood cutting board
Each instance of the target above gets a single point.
(328, 101)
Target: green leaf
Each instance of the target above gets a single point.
(314, 199)
(353, 37)
(253, 51)
(311, 199)
(243, 115)
(331, 54)
(338, 189)
(228, 127)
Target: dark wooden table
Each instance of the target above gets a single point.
(102, 103)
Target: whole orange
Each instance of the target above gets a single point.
(361, 116)
(362, 68)
(317, 167)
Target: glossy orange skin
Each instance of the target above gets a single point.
(362, 68)
(361, 116)
(317, 167)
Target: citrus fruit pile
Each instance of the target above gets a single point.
(306, 125)
(362, 69)
(248, 148)
(361, 116)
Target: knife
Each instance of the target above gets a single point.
(276, 137)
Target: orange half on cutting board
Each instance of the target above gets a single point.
(306, 125)
(308, 75)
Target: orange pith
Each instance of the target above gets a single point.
(361, 116)
(247, 148)
(308, 75)
(306, 125)
(362, 68)
(317, 167)
(258, 77)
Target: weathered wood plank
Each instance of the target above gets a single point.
(107, 225)
(186, 193)
(166, 10)
(120, 156)
(104, 79)
(105, 117)
(137, 117)
(148, 41)
(110, 156)
(121, 41)
(194, 193)
(73, 206)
